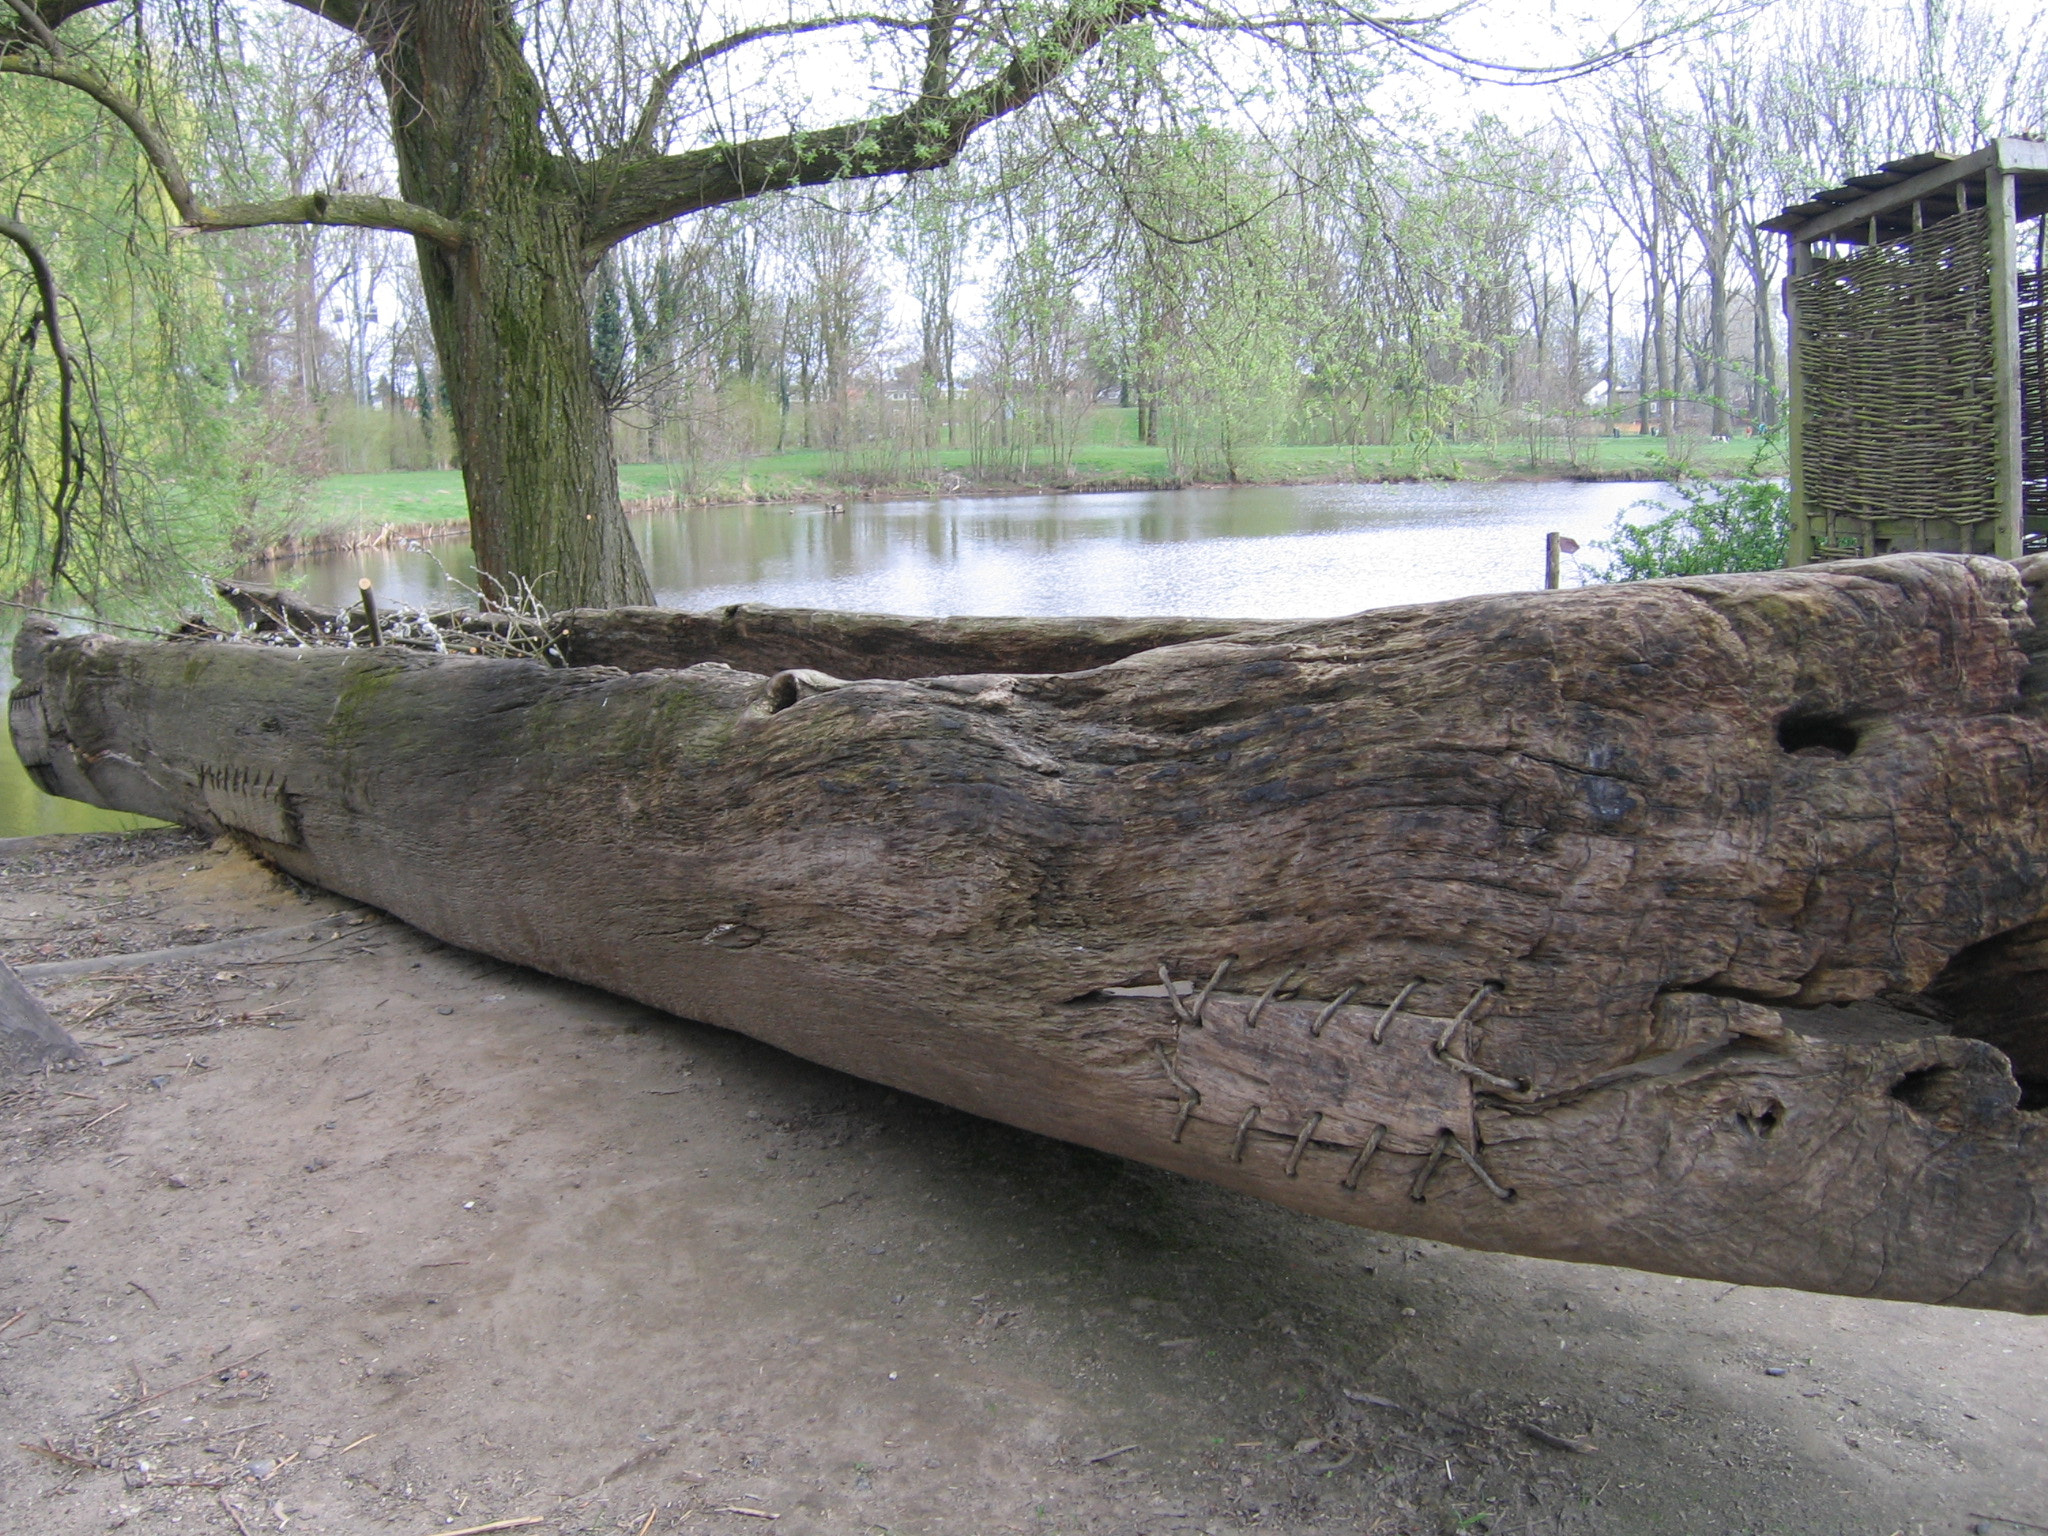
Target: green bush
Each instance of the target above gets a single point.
(1720, 525)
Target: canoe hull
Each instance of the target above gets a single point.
(1590, 926)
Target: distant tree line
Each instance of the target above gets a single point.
(1358, 276)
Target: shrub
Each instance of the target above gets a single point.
(1722, 525)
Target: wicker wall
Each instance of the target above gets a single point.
(1896, 365)
(2034, 391)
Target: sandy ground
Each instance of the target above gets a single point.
(367, 1234)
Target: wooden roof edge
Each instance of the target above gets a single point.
(1913, 165)
(2022, 157)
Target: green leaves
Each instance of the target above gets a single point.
(1719, 526)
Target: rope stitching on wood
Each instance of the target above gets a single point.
(1447, 1140)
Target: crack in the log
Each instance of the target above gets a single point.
(1643, 782)
(1729, 1048)
(1353, 1070)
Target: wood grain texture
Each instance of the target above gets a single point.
(755, 638)
(1682, 840)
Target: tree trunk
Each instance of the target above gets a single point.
(1766, 329)
(509, 313)
(1717, 330)
(1644, 925)
(1645, 353)
(1607, 359)
(1671, 350)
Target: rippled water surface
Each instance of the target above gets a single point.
(1252, 552)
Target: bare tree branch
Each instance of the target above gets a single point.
(72, 468)
(310, 208)
(1296, 31)
(353, 210)
(642, 138)
(929, 134)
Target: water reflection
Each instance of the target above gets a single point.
(1304, 551)
(26, 811)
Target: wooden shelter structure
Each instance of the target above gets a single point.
(1919, 357)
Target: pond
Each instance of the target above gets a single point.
(1252, 551)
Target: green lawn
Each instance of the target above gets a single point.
(411, 496)
(431, 496)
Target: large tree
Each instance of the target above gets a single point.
(530, 138)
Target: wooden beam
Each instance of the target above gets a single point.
(2007, 441)
(2021, 155)
(1799, 549)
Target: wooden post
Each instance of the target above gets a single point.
(370, 612)
(2001, 191)
(1799, 547)
(1550, 562)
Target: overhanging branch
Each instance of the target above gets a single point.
(195, 216)
(345, 209)
(642, 138)
(927, 135)
(71, 466)
(39, 20)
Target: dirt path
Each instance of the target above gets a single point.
(369, 1234)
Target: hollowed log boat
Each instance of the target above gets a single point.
(1692, 925)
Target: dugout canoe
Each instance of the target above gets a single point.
(1691, 925)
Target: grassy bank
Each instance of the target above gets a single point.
(348, 507)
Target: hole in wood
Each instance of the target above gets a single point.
(1997, 991)
(1762, 1118)
(1829, 736)
(783, 691)
(1929, 1090)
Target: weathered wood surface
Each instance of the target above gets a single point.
(754, 638)
(1643, 889)
(29, 1038)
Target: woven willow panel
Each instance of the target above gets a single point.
(2034, 391)
(1896, 364)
